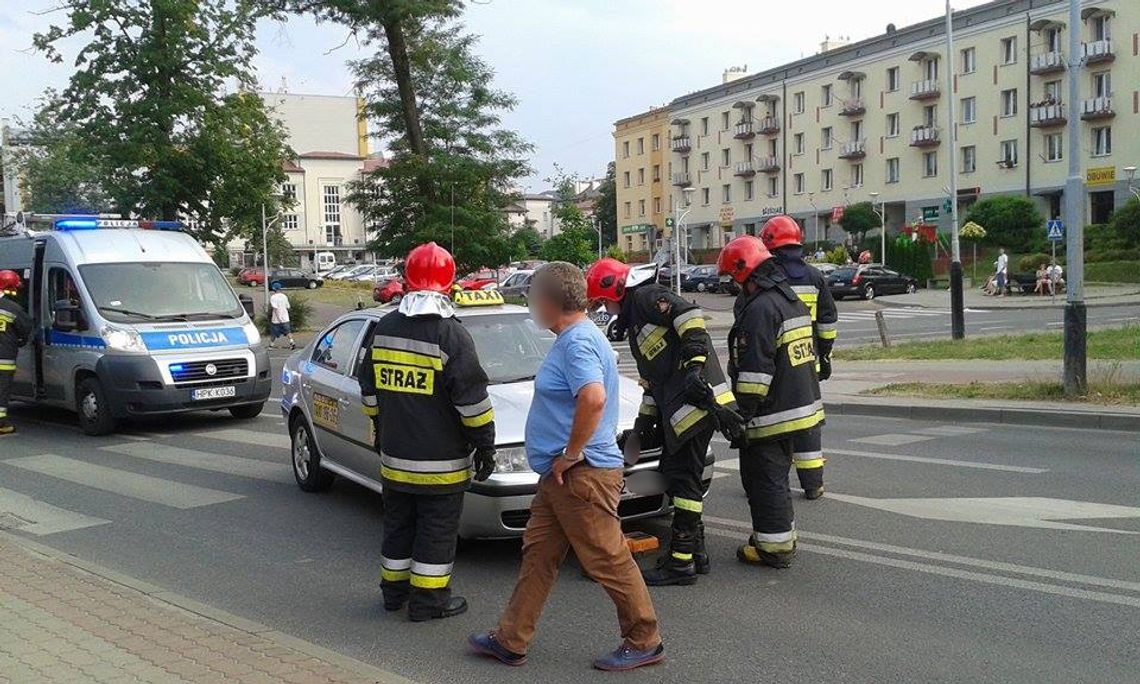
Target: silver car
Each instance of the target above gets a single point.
(331, 436)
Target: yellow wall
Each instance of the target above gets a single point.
(640, 167)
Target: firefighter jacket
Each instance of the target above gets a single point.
(15, 327)
(772, 359)
(666, 335)
(423, 379)
(811, 286)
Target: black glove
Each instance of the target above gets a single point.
(646, 427)
(484, 463)
(730, 423)
(697, 391)
(824, 367)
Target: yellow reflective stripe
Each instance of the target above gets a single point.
(7, 366)
(828, 334)
(794, 334)
(809, 464)
(752, 388)
(689, 420)
(692, 505)
(407, 358)
(725, 398)
(479, 420)
(430, 582)
(682, 556)
(788, 426)
(696, 323)
(395, 575)
(370, 410)
(647, 409)
(427, 479)
(647, 346)
(696, 359)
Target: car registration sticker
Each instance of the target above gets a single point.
(205, 393)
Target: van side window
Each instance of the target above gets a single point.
(62, 288)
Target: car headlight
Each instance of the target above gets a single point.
(512, 460)
(252, 334)
(122, 339)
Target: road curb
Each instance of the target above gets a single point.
(1088, 420)
(182, 603)
(1090, 303)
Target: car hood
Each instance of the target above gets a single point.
(512, 403)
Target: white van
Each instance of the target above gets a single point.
(133, 318)
(323, 262)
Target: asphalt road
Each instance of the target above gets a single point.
(941, 553)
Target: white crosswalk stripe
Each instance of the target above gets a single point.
(203, 460)
(254, 437)
(21, 512)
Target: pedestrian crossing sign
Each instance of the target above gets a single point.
(1055, 229)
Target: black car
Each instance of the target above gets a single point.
(868, 282)
(700, 279)
(294, 277)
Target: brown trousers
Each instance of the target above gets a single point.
(579, 514)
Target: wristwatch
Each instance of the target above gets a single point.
(572, 458)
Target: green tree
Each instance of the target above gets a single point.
(1125, 223)
(528, 240)
(54, 177)
(576, 245)
(1010, 221)
(860, 218)
(605, 209)
(148, 107)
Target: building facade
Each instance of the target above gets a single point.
(642, 168)
(866, 121)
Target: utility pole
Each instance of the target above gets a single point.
(265, 259)
(1075, 370)
(957, 306)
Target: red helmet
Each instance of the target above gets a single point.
(740, 257)
(781, 231)
(9, 281)
(605, 279)
(429, 267)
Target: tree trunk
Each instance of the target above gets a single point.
(398, 53)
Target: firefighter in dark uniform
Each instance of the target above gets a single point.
(15, 328)
(784, 239)
(686, 397)
(772, 366)
(428, 393)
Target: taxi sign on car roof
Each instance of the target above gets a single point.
(477, 298)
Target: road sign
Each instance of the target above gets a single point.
(1055, 229)
(929, 213)
(946, 207)
(668, 221)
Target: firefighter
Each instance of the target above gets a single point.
(15, 327)
(427, 392)
(783, 238)
(772, 366)
(686, 396)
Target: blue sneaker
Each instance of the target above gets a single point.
(627, 657)
(485, 644)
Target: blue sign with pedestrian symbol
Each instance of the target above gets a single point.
(1055, 229)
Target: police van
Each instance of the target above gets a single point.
(132, 318)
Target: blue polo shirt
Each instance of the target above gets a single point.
(581, 355)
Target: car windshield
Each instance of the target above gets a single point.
(510, 346)
(131, 292)
(841, 273)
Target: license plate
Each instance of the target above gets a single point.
(600, 317)
(205, 393)
(840, 282)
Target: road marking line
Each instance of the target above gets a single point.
(123, 482)
(891, 439)
(938, 461)
(949, 430)
(995, 327)
(41, 518)
(218, 463)
(242, 436)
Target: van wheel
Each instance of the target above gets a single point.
(93, 408)
(307, 459)
(247, 411)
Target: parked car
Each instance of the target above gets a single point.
(700, 279)
(332, 275)
(481, 280)
(292, 277)
(251, 276)
(517, 284)
(349, 272)
(869, 281)
(390, 290)
(824, 267)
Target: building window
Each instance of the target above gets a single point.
(798, 183)
(685, 164)
(655, 142)
(726, 193)
(705, 196)
(641, 207)
(1101, 27)
(894, 127)
(749, 192)
(748, 152)
(773, 186)
(1102, 84)
(1009, 50)
(289, 191)
(1054, 147)
(704, 125)
(1009, 153)
(825, 138)
(289, 222)
(969, 60)
(625, 178)
(1101, 206)
(330, 194)
(724, 121)
(656, 205)
(1102, 141)
(825, 95)
(798, 143)
(641, 176)
(969, 110)
(641, 145)
(856, 175)
(969, 159)
(856, 131)
(1009, 102)
(628, 207)
(893, 170)
(705, 161)
(1053, 92)
(798, 102)
(930, 68)
(892, 79)
(825, 180)
(656, 173)
(772, 148)
(625, 150)
(929, 164)
(1053, 39)
(725, 157)
(930, 115)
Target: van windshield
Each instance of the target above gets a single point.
(160, 291)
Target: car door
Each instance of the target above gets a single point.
(892, 282)
(332, 395)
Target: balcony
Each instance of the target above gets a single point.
(1099, 52)
(1047, 115)
(768, 164)
(926, 89)
(925, 136)
(1096, 108)
(1044, 63)
(769, 125)
(853, 107)
(681, 179)
(744, 130)
(681, 144)
(856, 149)
(745, 169)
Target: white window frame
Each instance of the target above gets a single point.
(969, 110)
(856, 175)
(930, 164)
(331, 211)
(1102, 84)
(826, 180)
(894, 125)
(1009, 153)
(290, 222)
(1102, 27)
(969, 60)
(826, 95)
(773, 186)
(893, 79)
(726, 193)
(969, 159)
(1009, 103)
(892, 170)
(826, 138)
(1055, 147)
(798, 103)
(725, 158)
(1102, 141)
(641, 207)
(798, 184)
(705, 196)
(1008, 50)
(798, 143)
(749, 191)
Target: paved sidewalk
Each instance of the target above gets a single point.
(63, 620)
(1095, 295)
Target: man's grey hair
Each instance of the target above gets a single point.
(562, 283)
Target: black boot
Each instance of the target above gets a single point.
(701, 555)
(811, 480)
(6, 427)
(677, 566)
(395, 595)
(434, 609)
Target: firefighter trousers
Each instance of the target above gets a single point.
(764, 472)
(5, 395)
(420, 532)
(808, 457)
(684, 471)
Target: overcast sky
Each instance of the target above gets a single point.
(576, 66)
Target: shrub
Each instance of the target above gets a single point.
(838, 255)
(1097, 255)
(300, 315)
(1113, 272)
(1031, 262)
(1125, 223)
(1010, 221)
(615, 252)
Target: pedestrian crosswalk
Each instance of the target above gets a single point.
(903, 312)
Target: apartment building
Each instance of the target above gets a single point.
(642, 172)
(866, 121)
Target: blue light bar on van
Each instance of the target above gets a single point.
(76, 224)
(95, 223)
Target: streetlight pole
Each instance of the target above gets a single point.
(265, 226)
(1131, 171)
(678, 231)
(1075, 365)
(882, 227)
(957, 305)
(814, 217)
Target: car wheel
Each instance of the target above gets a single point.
(911, 288)
(307, 459)
(869, 292)
(701, 287)
(93, 408)
(312, 285)
(396, 298)
(247, 411)
(612, 333)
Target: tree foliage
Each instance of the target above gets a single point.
(147, 110)
(859, 218)
(1125, 223)
(577, 245)
(55, 177)
(605, 209)
(1010, 221)
(528, 242)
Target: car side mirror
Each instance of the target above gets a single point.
(247, 304)
(66, 316)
